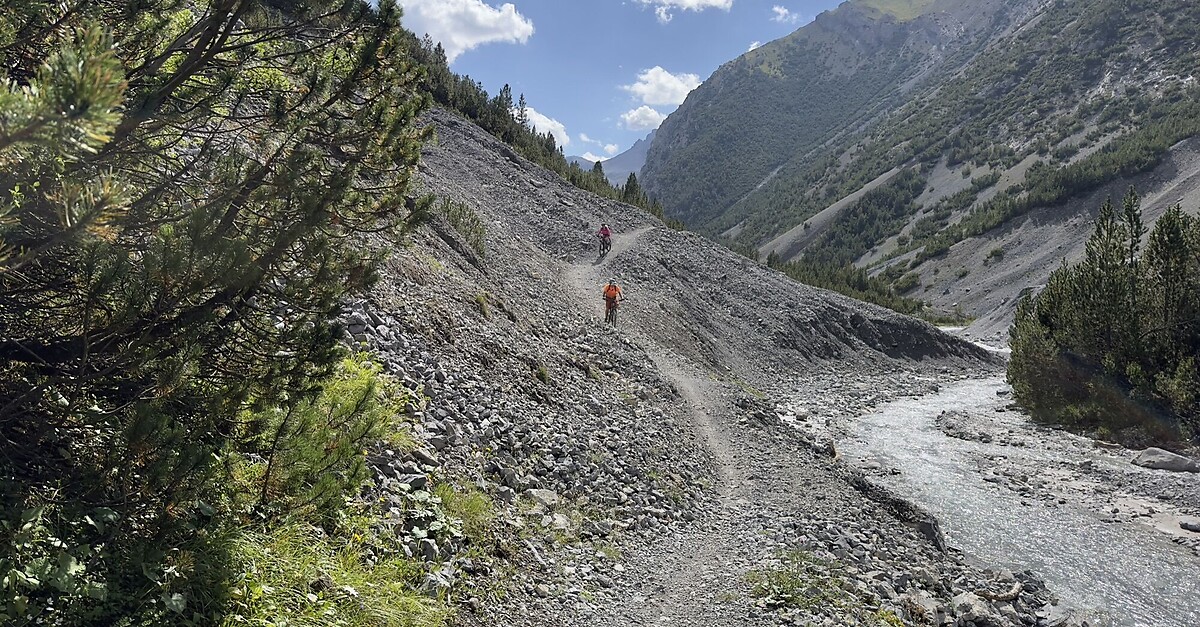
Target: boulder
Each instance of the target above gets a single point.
(545, 499)
(1165, 460)
(971, 607)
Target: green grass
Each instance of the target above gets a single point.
(609, 550)
(304, 577)
(749, 389)
(800, 581)
(903, 10)
(803, 581)
(481, 300)
(469, 505)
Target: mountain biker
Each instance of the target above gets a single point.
(612, 295)
(605, 235)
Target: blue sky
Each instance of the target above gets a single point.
(601, 74)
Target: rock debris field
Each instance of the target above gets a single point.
(649, 473)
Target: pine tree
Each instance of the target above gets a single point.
(523, 112)
(1101, 287)
(185, 193)
(1171, 283)
(632, 191)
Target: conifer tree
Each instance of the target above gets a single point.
(523, 112)
(632, 191)
(186, 188)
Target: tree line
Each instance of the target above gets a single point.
(508, 121)
(1111, 343)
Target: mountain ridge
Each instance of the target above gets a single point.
(1048, 102)
(618, 168)
(706, 159)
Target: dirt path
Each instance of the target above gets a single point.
(684, 584)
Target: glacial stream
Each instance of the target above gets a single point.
(1127, 573)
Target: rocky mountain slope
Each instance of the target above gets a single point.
(1029, 116)
(782, 103)
(646, 473)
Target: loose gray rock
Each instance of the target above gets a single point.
(1159, 459)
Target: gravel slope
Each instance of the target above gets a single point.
(644, 474)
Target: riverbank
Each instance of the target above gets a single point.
(1103, 533)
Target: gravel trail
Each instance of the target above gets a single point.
(658, 472)
(680, 593)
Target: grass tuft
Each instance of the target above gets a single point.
(309, 578)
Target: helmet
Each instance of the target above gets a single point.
(612, 281)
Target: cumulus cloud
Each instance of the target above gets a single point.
(663, 8)
(657, 86)
(609, 149)
(461, 25)
(754, 46)
(642, 118)
(545, 124)
(591, 157)
(784, 15)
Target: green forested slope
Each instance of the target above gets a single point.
(1081, 91)
(790, 97)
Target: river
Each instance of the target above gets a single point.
(1128, 573)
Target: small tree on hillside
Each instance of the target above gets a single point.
(632, 191)
(523, 112)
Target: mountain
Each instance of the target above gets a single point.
(894, 135)
(618, 168)
(789, 98)
(583, 162)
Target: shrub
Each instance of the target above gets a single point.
(178, 237)
(907, 283)
(466, 222)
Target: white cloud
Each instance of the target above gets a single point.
(609, 149)
(662, 8)
(591, 157)
(461, 25)
(754, 46)
(784, 15)
(642, 118)
(657, 86)
(544, 124)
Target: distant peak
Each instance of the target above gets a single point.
(902, 10)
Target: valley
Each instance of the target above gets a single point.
(299, 326)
